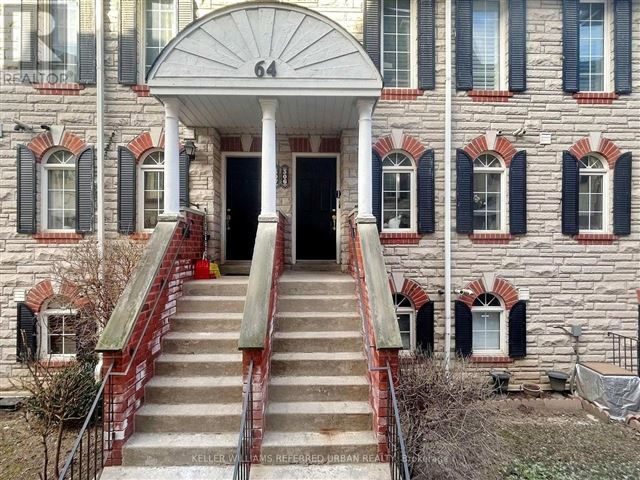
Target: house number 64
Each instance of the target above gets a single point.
(260, 71)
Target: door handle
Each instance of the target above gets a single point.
(228, 219)
(333, 219)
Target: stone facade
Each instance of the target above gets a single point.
(570, 281)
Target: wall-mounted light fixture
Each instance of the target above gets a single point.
(190, 149)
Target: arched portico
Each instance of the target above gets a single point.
(266, 66)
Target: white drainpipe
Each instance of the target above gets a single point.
(100, 124)
(447, 188)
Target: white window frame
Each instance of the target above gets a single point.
(503, 327)
(413, 197)
(606, 187)
(142, 45)
(44, 196)
(44, 332)
(609, 53)
(503, 45)
(503, 190)
(140, 187)
(411, 311)
(413, 44)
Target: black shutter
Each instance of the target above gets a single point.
(622, 45)
(464, 44)
(518, 194)
(426, 45)
(87, 42)
(463, 329)
(376, 187)
(464, 192)
(426, 193)
(622, 195)
(29, 41)
(126, 191)
(570, 181)
(517, 45)
(518, 330)
(185, 13)
(372, 33)
(570, 46)
(424, 328)
(128, 44)
(85, 182)
(184, 180)
(26, 161)
(27, 334)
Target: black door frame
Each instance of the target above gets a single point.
(294, 197)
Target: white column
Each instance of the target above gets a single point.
(268, 200)
(365, 110)
(171, 158)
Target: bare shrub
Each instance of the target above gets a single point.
(448, 424)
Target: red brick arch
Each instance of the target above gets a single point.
(413, 291)
(409, 144)
(143, 143)
(502, 147)
(605, 148)
(44, 142)
(500, 287)
(46, 290)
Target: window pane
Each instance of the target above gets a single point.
(396, 34)
(486, 44)
(591, 46)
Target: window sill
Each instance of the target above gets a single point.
(140, 236)
(58, 88)
(140, 90)
(493, 359)
(398, 238)
(58, 237)
(497, 96)
(491, 238)
(399, 94)
(595, 98)
(595, 238)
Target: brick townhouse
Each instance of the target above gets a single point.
(316, 108)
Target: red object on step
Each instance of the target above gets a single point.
(202, 270)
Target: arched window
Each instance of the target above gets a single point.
(593, 201)
(489, 187)
(151, 188)
(59, 191)
(398, 192)
(488, 328)
(406, 315)
(58, 328)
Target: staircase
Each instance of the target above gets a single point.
(188, 425)
(319, 422)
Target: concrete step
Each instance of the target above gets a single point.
(200, 342)
(222, 472)
(206, 322)
(314, 321)
(219, 286)
(188, 418)
(318, 266)
(318, 416)
(165, 389)
(318, 363)
(333, 471)
(318, 388)
(177, 449)
(317, 448)
(316, 284)
(316, 341)
(211, 303)
(182, 365)
(315, 303)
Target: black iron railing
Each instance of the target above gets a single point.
(94, 442)
(625, 352)
(242, 467)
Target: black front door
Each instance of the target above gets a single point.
(243, 206)
(316, 208)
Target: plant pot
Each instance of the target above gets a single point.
(558, 380)
(532, 389)
(500, 380)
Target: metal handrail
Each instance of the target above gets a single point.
(242, 466)
(69, 464)
(394, 427)
(623, 355)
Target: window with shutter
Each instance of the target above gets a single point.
(489, 332)
(27, 341)
(406, 317)
(489, 45)
(26, 162)
(489, 186)
(593, 198)
(593, 37)
(151, 188)
(426, 193)
(59, 191)
(398, 193)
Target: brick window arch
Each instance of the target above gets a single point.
(500, 287)
(596, 143)
(413, 291)
(398, 140)
(45, 141)
(491, 143)
(46, 290)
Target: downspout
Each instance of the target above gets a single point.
(447, 188)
